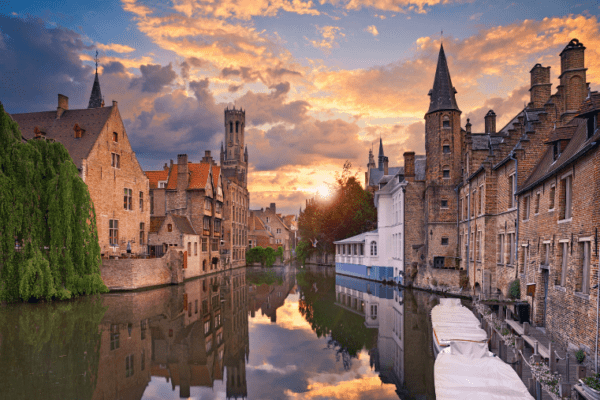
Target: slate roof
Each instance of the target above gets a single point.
(155, 176)
(577, 147)
(420, 163)
(183, 224)
(96, 95)
(156, 223)
(375, 174)
(442, 94)
(91, 120)
(590, 105)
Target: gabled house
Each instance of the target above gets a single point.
(97, 142)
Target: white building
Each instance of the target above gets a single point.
(379, 254)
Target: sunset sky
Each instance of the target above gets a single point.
(320, 81)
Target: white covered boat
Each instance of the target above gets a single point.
(468, 371)
(453, 322)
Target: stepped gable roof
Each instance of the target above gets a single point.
(155, 176)
(156, 223)
(197, 176)
(442, 96)
(91, 120)
(576, 148)
(96, 95)
(183, 224)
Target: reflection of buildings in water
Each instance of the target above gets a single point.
(268, 298)
(383, 309)
(187, 334)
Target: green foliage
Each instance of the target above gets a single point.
(45, 209)
(350, 211)
(264, 256)
(303, 250)
(592, 381)
(263, 277)
(50, 350)
(514, 289)
(580, 356)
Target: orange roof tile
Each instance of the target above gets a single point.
(198, 175)
(216, 171)
(155, 176)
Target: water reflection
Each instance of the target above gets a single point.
(247, 333)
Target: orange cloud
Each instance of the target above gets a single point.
(329, 34)
(418, 6)
(243, 9)
(118, 48)
(372, 30)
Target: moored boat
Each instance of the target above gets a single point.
(453, 322)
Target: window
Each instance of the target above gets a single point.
(189, 250)
(446, 122)
(546, 249)
(237, 126)
(206, 225)
(230, 127)
(525, 258)
(143, 360)
(479, 252)
(195, 248)
(446, 149)
(500, 249)
(446, 174)
(219, 207)
(162, 184)
(207, 204)
(278, 230)
(444, 241)
(565, 200)
(537, 203)
(268, 219)
(116, 160)
(562, 279)
(277, 241)
(511, 191)
(115, 137)
(113, 232)
(511, 248)
(206, 327)
(551, 199)
(438, 262)
(373, 248)
(374, 311)
(268, 228)
(215, 244)
(129, 366)
(217, 320)
(208, 345)
(142, 233)
(127, 198)
(583, 275)
(114, 337)
(142, 201)
(555, 150)
(592, 124)
(169, 227)
(481, 198)
(444, 203)
(217, 227)
(143, 328)
(526, 207)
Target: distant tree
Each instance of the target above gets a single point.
(349, 212)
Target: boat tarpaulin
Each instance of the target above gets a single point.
(468, 371)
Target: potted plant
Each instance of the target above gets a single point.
(591, 386)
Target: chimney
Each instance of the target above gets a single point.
(166, 167)
(541, 88)
(114, 103)
(490, 122)
(409, 164)
(468, 126)
(573, 75)
(207, 158)
(385, 166)
(182, 172)
(63, 105)
(273, 208)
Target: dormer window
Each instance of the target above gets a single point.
(556, 150)
(78, 131)
(592, 125)
(115, 137)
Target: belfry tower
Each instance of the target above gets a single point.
(234, 155)
(444, 147)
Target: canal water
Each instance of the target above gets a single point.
(280, 333)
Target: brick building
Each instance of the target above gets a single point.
(99, 146)
(189, 197)
(234, 167)
(271, 226)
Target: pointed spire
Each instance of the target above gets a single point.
(442, 94)
(381, 157)
(96, 96)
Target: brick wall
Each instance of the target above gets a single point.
(131, 274)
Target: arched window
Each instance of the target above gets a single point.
(445, 121)
(237, 126)
(230, 127)
(373, 248)
(169, 228)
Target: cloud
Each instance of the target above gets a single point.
(505, 109)
(113, 67)
(154, 78)
(372, 30)
(245, 9)
(188, 64)
(476, 16)
(273, 108)
(118, 48)
(417, 6)
(330, 34)
(37, 62)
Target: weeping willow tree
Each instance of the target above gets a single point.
(48, 239)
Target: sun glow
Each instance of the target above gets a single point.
(324, 191)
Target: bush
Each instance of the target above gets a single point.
(580, 356)
(514, 289)
(464, 281)
(434, 282)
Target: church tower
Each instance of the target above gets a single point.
(443, 146)
(234, 155)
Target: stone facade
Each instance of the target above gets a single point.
(277, 232)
